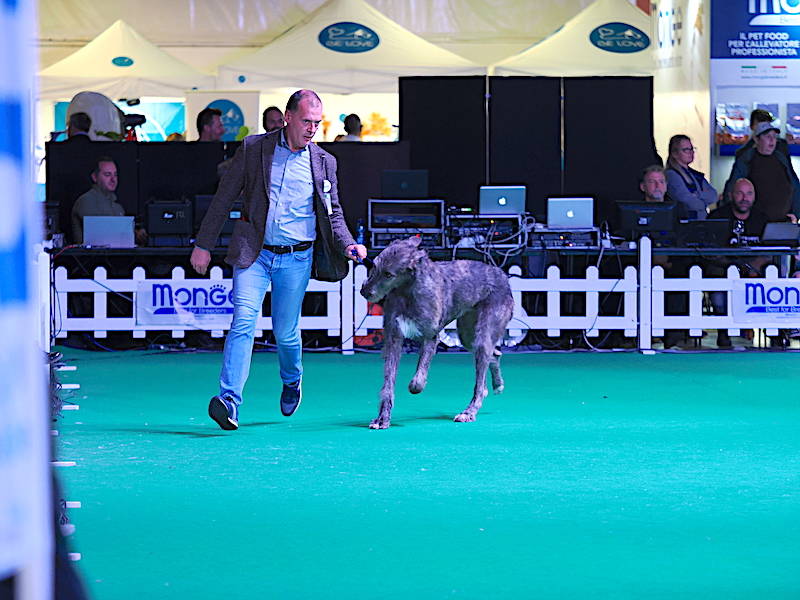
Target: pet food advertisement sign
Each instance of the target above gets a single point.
(755, 29)
(767, 302)
(207, 304)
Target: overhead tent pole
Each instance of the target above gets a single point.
(487, 96)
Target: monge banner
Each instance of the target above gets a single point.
(753, 29)
(185, 303)
(762, 301)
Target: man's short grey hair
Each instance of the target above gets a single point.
(299, 95)
(651, 169)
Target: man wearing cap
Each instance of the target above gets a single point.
(758, 116)
(776, 184)
(292, 227)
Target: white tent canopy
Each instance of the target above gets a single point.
(570, 51)
(120, 63)
(298, 58)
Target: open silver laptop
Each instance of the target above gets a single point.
(570, 213)
(502, 200)
(108, 232)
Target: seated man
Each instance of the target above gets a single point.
(101, 200)
(746, 225)
(653, 184)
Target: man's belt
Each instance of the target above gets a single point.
(287, 249)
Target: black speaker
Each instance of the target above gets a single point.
(169, 218)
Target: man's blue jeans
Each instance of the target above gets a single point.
(289, 275)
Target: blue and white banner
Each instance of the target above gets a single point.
(26, 510)
(755, 29)
(767, 301)
(207, 304)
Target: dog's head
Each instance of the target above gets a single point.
(393, 268)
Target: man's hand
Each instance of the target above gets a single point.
(356, 252)
(200, 259)
(792, 218)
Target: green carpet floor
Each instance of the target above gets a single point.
(593, 476)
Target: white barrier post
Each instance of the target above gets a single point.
(645, 295)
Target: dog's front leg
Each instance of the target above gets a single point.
(392, 348)
(426, 352)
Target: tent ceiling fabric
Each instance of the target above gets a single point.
(569, 51)
(256, 22)
(298, 59)
(120, 63)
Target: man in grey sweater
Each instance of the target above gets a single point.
(100, 200)
(292, 227)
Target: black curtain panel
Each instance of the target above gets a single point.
(359, 168)
(608, 138)
(525, 136)
(443, 118)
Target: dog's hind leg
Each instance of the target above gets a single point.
(498, 385)
(392, 348)
(489, 326)
(482, 357)
(420, 379)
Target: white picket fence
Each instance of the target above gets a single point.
(101, 323)
(346, 316)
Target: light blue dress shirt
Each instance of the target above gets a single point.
(291, 217)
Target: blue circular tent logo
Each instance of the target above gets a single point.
(349, 37)
(232, 117)
(619, 37)
(122, 61)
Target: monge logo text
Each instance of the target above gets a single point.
(216, 300)
(774, 12)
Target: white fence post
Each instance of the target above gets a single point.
(645, 295)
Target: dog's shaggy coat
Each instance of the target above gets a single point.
(419, 298)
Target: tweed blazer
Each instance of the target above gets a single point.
(248, 176)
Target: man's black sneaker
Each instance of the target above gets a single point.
(290, 398)
(225, 412)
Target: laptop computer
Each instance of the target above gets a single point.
(108, 232)
(781, 234)
(570, 213)
(501, 200)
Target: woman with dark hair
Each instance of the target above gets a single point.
(685, 185)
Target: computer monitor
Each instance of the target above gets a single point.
(570, 213)
(404, 183)
(501, 200)
(657, 220)
(704, 233)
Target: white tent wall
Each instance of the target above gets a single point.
(120, 62)
(206, 33)
(681, 84)
(323, 54)
(571, 52)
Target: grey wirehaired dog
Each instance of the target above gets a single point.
(420, 297)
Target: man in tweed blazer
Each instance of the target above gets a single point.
(292, 227)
